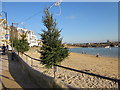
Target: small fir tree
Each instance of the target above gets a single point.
(52, 51)
(15, 43)
(21, 44)
(24, 45)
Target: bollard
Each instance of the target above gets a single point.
(12, 56)
(55, 70)
(26, 59)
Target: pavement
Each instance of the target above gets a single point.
(11, 76)
(6, 78)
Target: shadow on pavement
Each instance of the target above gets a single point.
(19, 76)
(4, 59)
(6, 77)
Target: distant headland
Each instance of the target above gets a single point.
(102, 44)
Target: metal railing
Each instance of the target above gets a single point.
(91, 74)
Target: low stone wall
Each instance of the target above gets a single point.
(39, 78)
(1, 85)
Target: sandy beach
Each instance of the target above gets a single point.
(72, 46)
(99, 65)
(105, 66)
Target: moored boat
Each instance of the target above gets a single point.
(107, 47)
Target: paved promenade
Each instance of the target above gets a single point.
(6, 78)
(11, 75)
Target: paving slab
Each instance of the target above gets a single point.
(6, 78)
(11, 74)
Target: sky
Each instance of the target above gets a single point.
(81, 22)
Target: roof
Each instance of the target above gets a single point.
(2, 20)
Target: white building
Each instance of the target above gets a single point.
(31, 37)
(20, 31)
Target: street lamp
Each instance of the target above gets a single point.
(4, 13)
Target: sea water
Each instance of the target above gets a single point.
(108, 52)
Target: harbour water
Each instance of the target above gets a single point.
(108, 52)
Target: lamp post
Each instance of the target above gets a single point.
(4, 13)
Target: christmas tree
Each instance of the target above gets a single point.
(53, 51)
